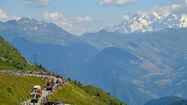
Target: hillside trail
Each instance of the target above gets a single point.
(45, 93)
(43, 96)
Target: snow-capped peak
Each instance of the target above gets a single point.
(154, 21)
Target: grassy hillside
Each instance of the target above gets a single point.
(102, 96)
(13, 87)
(11, 59)
(77, 94)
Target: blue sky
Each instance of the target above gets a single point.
(88, 15)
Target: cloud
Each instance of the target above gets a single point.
(176, 6)
(38, 3)
(76, 26)
(84, 19)
(104, 2)
(124, 2)
(58, 19)
(116, 2)
(5, 17)
(179, 6)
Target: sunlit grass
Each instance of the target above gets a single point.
(13, 87)
(84, 95)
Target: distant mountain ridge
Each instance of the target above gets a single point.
(38, 31)
(150, 22)
(159, 67)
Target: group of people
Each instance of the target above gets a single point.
(53, 83)
(53, 80)
(36, 93)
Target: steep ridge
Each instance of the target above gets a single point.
(11, 59)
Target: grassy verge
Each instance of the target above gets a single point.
(13, 87)
(83, 95)
(100, 95)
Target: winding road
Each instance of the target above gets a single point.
(45, 94)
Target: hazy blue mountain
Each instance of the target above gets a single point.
(38, 31)
(104, 39)
(47, 44)
(158, 70)
(113, 70)
(170, 100)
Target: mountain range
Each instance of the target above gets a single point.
(153, 64)
(149, 22)
(47, 44)
(135, 66)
